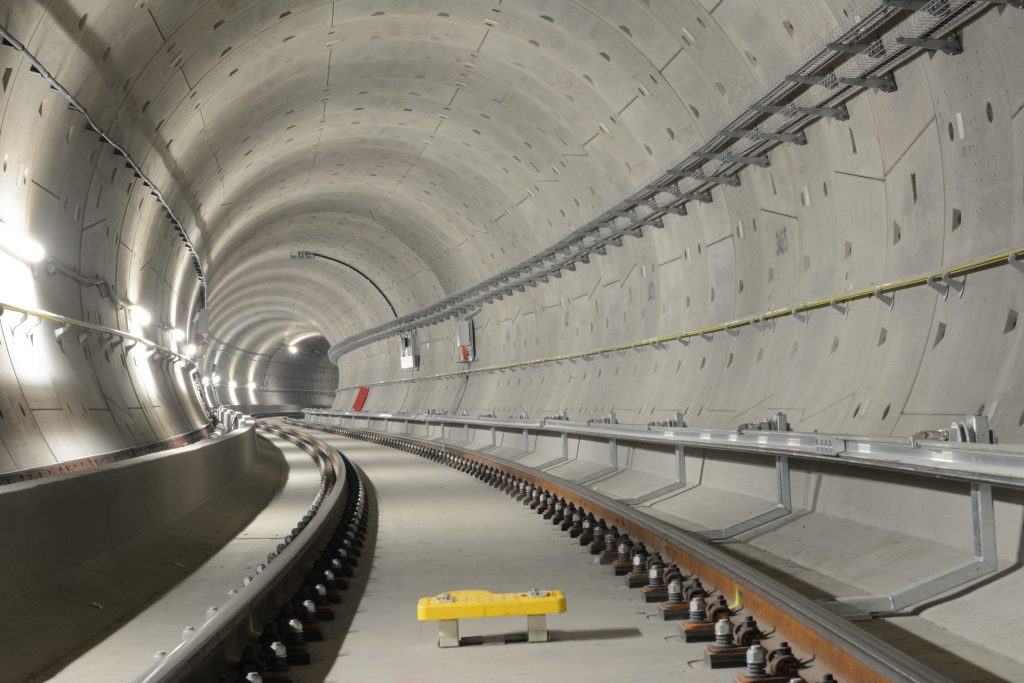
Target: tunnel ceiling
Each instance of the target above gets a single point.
(427, 143)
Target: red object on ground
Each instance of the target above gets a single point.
(360, 398)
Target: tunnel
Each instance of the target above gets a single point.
(441, 340)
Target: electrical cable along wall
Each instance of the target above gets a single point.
(96, 346)
(837, 283)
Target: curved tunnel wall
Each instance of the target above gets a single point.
(918, 180)
(433, 146)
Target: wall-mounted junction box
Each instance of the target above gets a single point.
(410, 354)
(465, 341)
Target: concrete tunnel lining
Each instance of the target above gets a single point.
(432, 147)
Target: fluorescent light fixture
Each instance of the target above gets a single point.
(232, 385)
(190, 350)
(292, 348)
(19, 245)
(252, 385)
(140, 315)
(177, 335)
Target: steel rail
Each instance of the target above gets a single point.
(778, 114)
(834, 642)
(233, 622)
(995, 464)
(8, 40)
(943, 279)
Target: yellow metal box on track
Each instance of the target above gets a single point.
(475, 604)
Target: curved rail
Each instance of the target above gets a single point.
(852, 653)
(341, 494)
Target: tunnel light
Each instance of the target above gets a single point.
(140, 315)
(177, 335)
(292, 348)
(19, 245)
(216, 379)
(252, 385)
(190, 350)
(232, 385)
(206, 381)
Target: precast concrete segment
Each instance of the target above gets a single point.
(439, 530)
(129, 651)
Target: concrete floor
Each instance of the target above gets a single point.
(129, 651)
(438, 530)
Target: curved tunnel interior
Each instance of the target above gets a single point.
(219, 204)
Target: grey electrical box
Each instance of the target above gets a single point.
(465, 341)
(410, 354)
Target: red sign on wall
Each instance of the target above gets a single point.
(360, 398)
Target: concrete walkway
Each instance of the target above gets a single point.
(128, 652)
(437, 530)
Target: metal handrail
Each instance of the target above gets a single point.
(996, 464)
(236, 614)
(93, 327)
(943, 280)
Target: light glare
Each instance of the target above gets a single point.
(190, 350)
(19, 245)
(140, 315)
(177, 335)
(293, 349)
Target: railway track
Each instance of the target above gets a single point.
(801, 640)
(265, 627)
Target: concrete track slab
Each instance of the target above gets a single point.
(438, 530)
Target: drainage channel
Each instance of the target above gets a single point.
(749, 621)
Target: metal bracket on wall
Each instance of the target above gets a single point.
(783, 506)
(558, 461)
(985, 562)
(494, 441)
(613, 465)
(679, 483)
(525, 448)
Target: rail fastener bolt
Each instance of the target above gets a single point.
(638, 576)
(655, 590)
(587, 531)
(623, 564)
(675, 609)
(698, 628)
(724, 652)
(576, 529)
